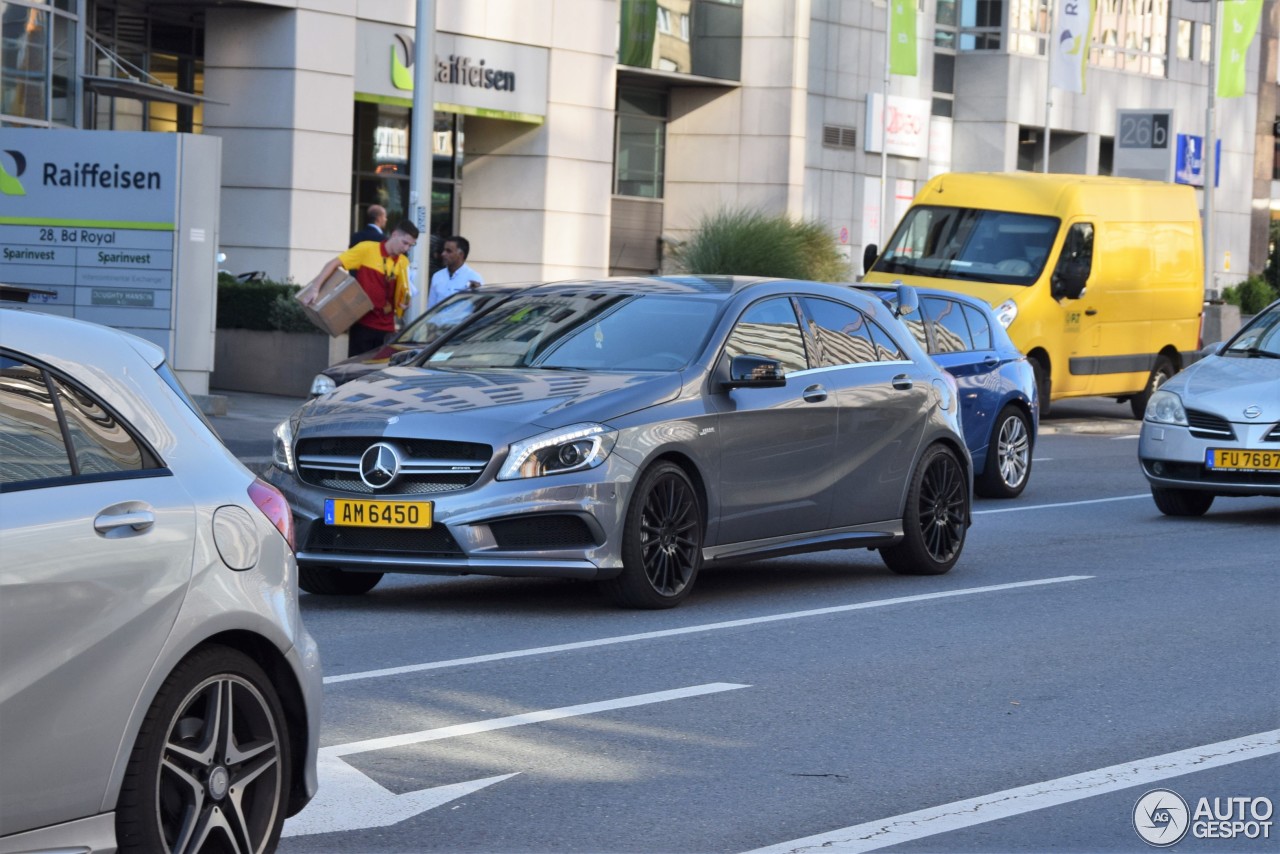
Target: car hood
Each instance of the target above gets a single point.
(365, 364)
(1227, 385)
(483, 403)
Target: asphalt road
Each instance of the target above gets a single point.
(1084, 651)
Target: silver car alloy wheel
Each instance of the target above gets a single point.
(1013, 452)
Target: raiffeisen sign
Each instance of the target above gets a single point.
(477, 77)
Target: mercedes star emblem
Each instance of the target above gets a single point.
(379, 465)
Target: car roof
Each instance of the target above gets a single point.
(883, 290)
(61, 340)
(721, 287)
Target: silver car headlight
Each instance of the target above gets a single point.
(282, 445)
(1165, 407)
(1006, 312)
(322, 384)
(573, 448)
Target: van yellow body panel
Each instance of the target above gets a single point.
(1143, 296)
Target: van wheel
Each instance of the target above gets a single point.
(1043, 384)
(1160, 374)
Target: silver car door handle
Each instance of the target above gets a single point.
(139, 520)
(902, 382)
(814, 394)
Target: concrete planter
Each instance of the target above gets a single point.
(269, 362)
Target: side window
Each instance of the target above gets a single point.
(842, 332)
(950, 330)
(887, 350)
(1077, 250)
(31, 442)
(769, 328)
(979, 326)
(915, 322)
(36, 425)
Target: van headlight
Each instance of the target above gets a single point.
(573, 448)
(1165, 407)
(1006, 312)
(282, 446)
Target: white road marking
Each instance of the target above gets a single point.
(527, 718)
(1126, 436)
(348, 799)
(687, 630)
(874, 835)
(1019, 509)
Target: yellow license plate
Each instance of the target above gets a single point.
(1217, 458)
(345, 512)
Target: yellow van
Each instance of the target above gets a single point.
(1099, 280)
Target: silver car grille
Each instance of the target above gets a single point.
(427, 466)
(1208, 426)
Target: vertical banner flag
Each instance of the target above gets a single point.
(1070, 49)
(902, 37)
(1239, 24)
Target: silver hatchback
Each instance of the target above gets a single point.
(158, 691)
(629, 431)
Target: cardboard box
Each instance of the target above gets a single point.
(335, 303)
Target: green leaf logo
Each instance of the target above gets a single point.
(401, 76)
(9, 184)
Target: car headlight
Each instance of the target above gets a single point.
(1006, 312)
(282, 445)
(573, 448)
(1165, 407)
(322, 384)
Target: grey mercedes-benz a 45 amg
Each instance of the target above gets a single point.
(630, 431)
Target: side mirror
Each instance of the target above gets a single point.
(404, 356)
(869, 256)
(908, 301)
(754, 372)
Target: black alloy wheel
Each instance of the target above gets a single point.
(661, 541)
(936, 517)
(1008, 464)
(210, 769)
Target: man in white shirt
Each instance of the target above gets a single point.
(455, 275)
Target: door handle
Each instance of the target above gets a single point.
(1091, 311)
(814, 394)
(902, 382)
(137, 520)
(990, 361)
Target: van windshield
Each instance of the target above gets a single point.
(969, 244)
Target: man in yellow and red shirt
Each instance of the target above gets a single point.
(382, 269)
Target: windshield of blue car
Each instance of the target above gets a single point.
(1260, 337)
(583, 330)
(969, 245)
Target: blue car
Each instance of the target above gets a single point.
(999, 404)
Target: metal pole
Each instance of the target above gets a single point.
(1048, 89)
(884, 124)
(421, 132)
(1208, 160)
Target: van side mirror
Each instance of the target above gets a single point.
(749, 371)
(1069, 280)
(869, 256)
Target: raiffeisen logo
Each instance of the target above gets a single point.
(456, 70)
(98, 176)
(1071, 49)
(9, 183)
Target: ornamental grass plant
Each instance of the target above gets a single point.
(753, 243)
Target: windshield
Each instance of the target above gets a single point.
(444, 316)
(584, 330)
(1260, 337)
(970, 245)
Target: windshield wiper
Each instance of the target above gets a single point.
(1255, 352)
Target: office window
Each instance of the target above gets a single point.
(1182, 38)
(980, 24)
(1131, 36)
(640, 139)
(37, 63)
(1029, 24)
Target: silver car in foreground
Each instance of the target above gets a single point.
(158, 691)
(629, 431)
(1214, 429)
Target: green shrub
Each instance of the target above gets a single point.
(1252, 295)
(753, 243)
(263, 304)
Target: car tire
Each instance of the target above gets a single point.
(1160, 374)
(1008, 464)
(212, 758)
(329, 581)
(1182, 502)
(661, 541)
(935, 519)
(1044, 385)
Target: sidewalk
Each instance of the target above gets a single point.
(245, 421)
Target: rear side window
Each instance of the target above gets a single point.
(978, 326)
(846, 336)
(950, 330)
(769, 328)
(52, 430)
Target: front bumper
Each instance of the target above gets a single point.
(1173, 457)
(559, 526)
